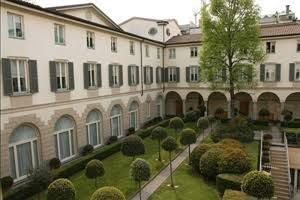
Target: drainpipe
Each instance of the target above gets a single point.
(141, 79)
(163, 60)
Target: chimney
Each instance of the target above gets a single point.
(287, 9)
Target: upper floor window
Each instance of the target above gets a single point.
(115, 75)
(194, 52)
(61, 75)
(131, 48)
(270, 47)
(92, 75)
(152, 31)
(219, 75)
(158, 53)
(172, 53)
(297, 72)
(59, 34)
(113, 44)
(147, 51)
(270, 73)
(133, 75)
(194, 71)
(148, 75)
(19, 74)
(168, 32)
(15, 26)
(172, 74)
(298, 46)
(159, 75)
(90, 39)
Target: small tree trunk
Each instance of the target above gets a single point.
(140, 189)
(171, 173)
(159, 155)
(189, 154)
(231, 91)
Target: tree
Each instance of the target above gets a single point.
(94, 169)
(106, 193)
(61, 189)
(133, 146)
(140, 171)
(258, 184)
(159, 133)
(188, 137)
(287, 117)
(231, 45)
(176, 123)
(197, 154)
(170, 144)
(203, 123)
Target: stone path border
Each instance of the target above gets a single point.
(149, 188)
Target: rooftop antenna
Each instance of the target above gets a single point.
(196, 13)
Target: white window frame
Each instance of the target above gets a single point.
(14, 25)
(136, 119)
(16, 161)
(118, 117)
(298, 46)
(172, 53)
(70, 134)
(131, 48)
(148, 109)
(90, 36)
(113, 44)
(159, 69)
(272, 44)
(147, 54)
(60, 65)
(133, 75)
(297, 69)
(26, 71)
(98, 127)
(148, 75)
(219, 75)
(271, 69)
(194, 73)
(115, 74)
(57, 33)
(92, 67)
(172, 73)
(194, 52)
(158, 53)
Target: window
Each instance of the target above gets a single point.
(115, 75)
(159, 107)
(172, 53)
(23, 152)
(15, 26)
(168, 32)
(172, 74)
(158, 53)
(133, 115)
(297, 72)
(298, 46)
(194, 52)
(152, 31)
(270, 71)
(64, 138)
(19, 73)
(270, 47)
(194, 71)
(93, 129)
(92, 75)
(148, 75)
(131, 48)
(133, 75)
(113, 44)
(219, 75)
(90, 40)
(61, 75)
(115, 121)
(158, 75)
(147, 51)
(59, 34)
(148, 109)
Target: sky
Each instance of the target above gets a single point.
(182, 10)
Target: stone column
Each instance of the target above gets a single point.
(183, 106)
(206, 106)
(281, 109)
(254, 111)
(229, 109)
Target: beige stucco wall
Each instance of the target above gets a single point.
(294, 157)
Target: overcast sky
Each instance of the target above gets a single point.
(182, 10)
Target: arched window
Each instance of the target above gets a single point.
(64, 138)
(148, 109)
(133, 115)
(115, 121)
(93, 128)
(159, 106)
(23, 152)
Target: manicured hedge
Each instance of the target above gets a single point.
(236, 195)
(260, 122)
(228, 181)
(293, 124)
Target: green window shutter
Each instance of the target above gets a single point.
(250, 73)
(224, 76)
(99, 75)
(292, 71)
(33, 76)
(6, 75)
(110, 75)
(86, 75)
(278, 72)
(187, 74)
(199, 74)
(145, 81)
(177, 74)
(53, 81)
(162, 74)
(156, 74)
(262, 72)
(151, 74)
(121, 75)
(71, 75)
(166, 75)
(129, 75)
(137, 75)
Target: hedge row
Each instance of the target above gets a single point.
(293, 124)
(236, 195)
(228, 181)
(260, 122)
(69, 169)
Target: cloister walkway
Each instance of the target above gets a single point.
(154, 184)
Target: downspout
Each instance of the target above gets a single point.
(142, 81)
(163, 60)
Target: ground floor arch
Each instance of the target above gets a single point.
(270, 102)
(173, 104)
(215, 101)
(193, 101)
(292, 104)
(243, 104)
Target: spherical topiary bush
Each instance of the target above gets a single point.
(61, 189)
(209, 166)
(133, 146)
(6, 182)
(176, 123)
(87, 149)
(203, 123)
(54, 163)
(169, 144)
(108, 193)
(188, 137)
(234, 160)
(258, 184)
(159, 133)
(196, 155)
(94, 169)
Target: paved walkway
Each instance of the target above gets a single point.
(154, 184)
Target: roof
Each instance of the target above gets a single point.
(148, 19)
(267, 31)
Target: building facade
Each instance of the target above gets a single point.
(70, 76)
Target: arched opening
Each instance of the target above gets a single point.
(292, 104)
(270, 102)
(173, 104)
(159, 107)
(133, 115)
(64, 138)
(216, 100)
(243, 104)
(23, 151)
(115, 121)
(193, 101)
(94, 128)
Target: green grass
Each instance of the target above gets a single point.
(117, 169)
(295, 130)
(261, 128)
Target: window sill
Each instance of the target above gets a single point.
(60, 44)
(92, 88)
(19, 38)
(114, 51)
(63, 91)
(91, 48)
(20, 94)
(115, 86)
(133, 85)
(66, 160)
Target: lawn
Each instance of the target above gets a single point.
(293, 130)
(117, 169)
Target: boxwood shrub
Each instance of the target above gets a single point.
(236, 195)
(293, 124)
(228, 181)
